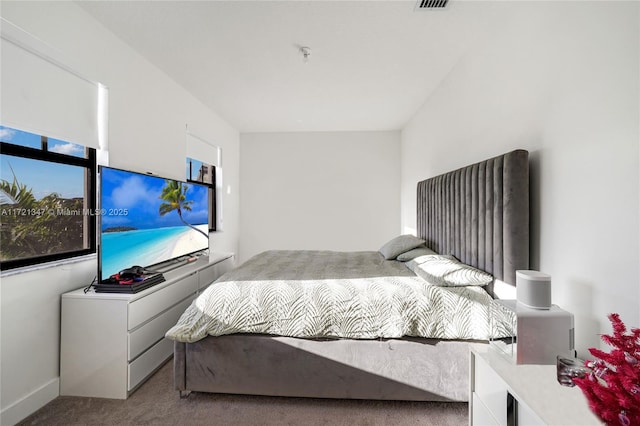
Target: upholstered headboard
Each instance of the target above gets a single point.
(480, 214)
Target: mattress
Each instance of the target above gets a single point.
(337, 295)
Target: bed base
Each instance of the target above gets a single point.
(408, 369)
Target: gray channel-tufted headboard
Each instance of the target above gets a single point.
(480, 214)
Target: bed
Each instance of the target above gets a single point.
(364, 325)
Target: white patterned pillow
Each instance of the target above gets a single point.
(447, 271)
(413, 253)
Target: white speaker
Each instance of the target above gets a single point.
(533, 289)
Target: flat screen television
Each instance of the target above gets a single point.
(145, 220)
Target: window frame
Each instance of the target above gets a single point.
(212, 190)
(89, 162)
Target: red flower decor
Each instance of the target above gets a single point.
(613, 386)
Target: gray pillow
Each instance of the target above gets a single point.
(447, 271)
(413, 253)
(400, 244)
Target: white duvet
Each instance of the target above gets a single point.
(323, 294)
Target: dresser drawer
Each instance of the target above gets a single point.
(526, 417)
(481, 415)
(148, 362)
(154, 330)
(141, 310)
(491, 390)
(225, 266)
(208, 275)
(213, 272)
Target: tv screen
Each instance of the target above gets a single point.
(146, 220)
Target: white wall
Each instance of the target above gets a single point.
(323, 191)
(148, 113)
(560, 79)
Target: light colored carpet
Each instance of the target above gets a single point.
(157, 403)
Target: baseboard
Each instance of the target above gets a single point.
(31, 403)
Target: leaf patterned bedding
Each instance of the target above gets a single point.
(326, 294)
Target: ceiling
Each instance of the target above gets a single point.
(372, 63)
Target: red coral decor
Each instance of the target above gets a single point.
(613, 386)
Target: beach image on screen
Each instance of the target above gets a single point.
(146, 220)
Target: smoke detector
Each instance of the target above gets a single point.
(306, 52)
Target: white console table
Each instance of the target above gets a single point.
(504, 393)
(112, 342)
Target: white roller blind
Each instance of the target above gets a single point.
(200, 149)
(42, 95)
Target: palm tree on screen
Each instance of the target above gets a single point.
(174, 195)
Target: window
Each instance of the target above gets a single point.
(47, 199)
(204, 173)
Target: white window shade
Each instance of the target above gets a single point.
(42, 95)
(202, 150)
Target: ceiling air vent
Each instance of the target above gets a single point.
(431, 4)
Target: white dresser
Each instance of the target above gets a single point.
(502, 393)
(111, 342)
